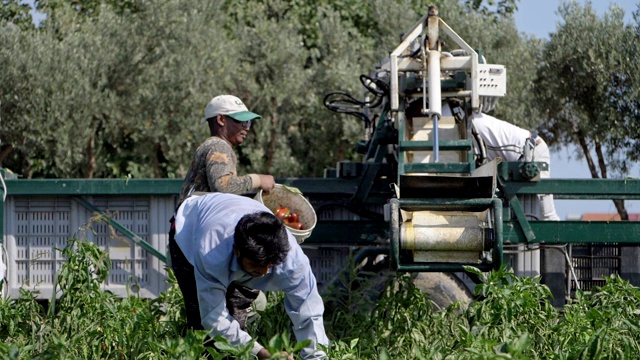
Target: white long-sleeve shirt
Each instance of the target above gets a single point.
(502, 139)
(204, 232)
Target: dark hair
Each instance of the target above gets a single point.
(262, 238)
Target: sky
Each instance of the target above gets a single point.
(540, 17)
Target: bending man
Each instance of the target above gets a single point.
(229, 239)
(508, 141)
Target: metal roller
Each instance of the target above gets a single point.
(466, 257)
(453, 231)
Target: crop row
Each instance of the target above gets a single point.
(511, 318)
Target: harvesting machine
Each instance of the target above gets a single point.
(423, 199)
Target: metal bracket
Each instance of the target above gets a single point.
(514, 204)
(126, 232)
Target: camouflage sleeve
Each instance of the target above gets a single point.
(221, 170)
(213, 169)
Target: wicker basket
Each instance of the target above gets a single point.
(282, 196)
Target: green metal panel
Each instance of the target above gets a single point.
(333, 186)
(444, 145)
(440, 267)
(560, 232)
(158, 186)
(585, 189)
(402, 136)
(348, 233)
(437, 168)
(94, 187)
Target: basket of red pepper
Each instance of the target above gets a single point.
(289, 205)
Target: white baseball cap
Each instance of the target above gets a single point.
(228, 105)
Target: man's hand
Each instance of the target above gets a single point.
(265, 354)
(267, 183)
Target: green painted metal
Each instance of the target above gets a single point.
(581, 189)
(576, 232)
(94, 187)
(337, 186)
(375, 161)
(450, 168)
(402, 135)
(325, 186)
(525, 228)
(368, 179)
(126, 232)
(498, 248)
(515, 171)
(444, 145)
(369, 232)
(440, 267)
(348, 233)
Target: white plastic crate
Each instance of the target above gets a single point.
(326, 263)
(35, 226)
(527, 262)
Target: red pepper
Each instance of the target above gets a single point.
(293, 218)
(295, 225)
(281, 212)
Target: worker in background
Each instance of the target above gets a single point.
(213, 169)
(513, 143)
(234, 239)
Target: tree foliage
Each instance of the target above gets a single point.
(113, 88)
(588, 86)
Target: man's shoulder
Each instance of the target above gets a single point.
(296, 261)
(214, 143)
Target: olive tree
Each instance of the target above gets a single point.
(587, 86)
(112, 96)
(106, 88)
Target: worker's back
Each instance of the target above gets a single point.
(502, 139)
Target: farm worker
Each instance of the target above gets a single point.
(213, 169)
(509, 142)
(228, 239)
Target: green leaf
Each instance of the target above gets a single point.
(474, 270)
(226, 346)
(353, 343)
(301, 345)
(292, 189)
(384, 354)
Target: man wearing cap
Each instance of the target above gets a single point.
(214, 166)
(213, 169)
